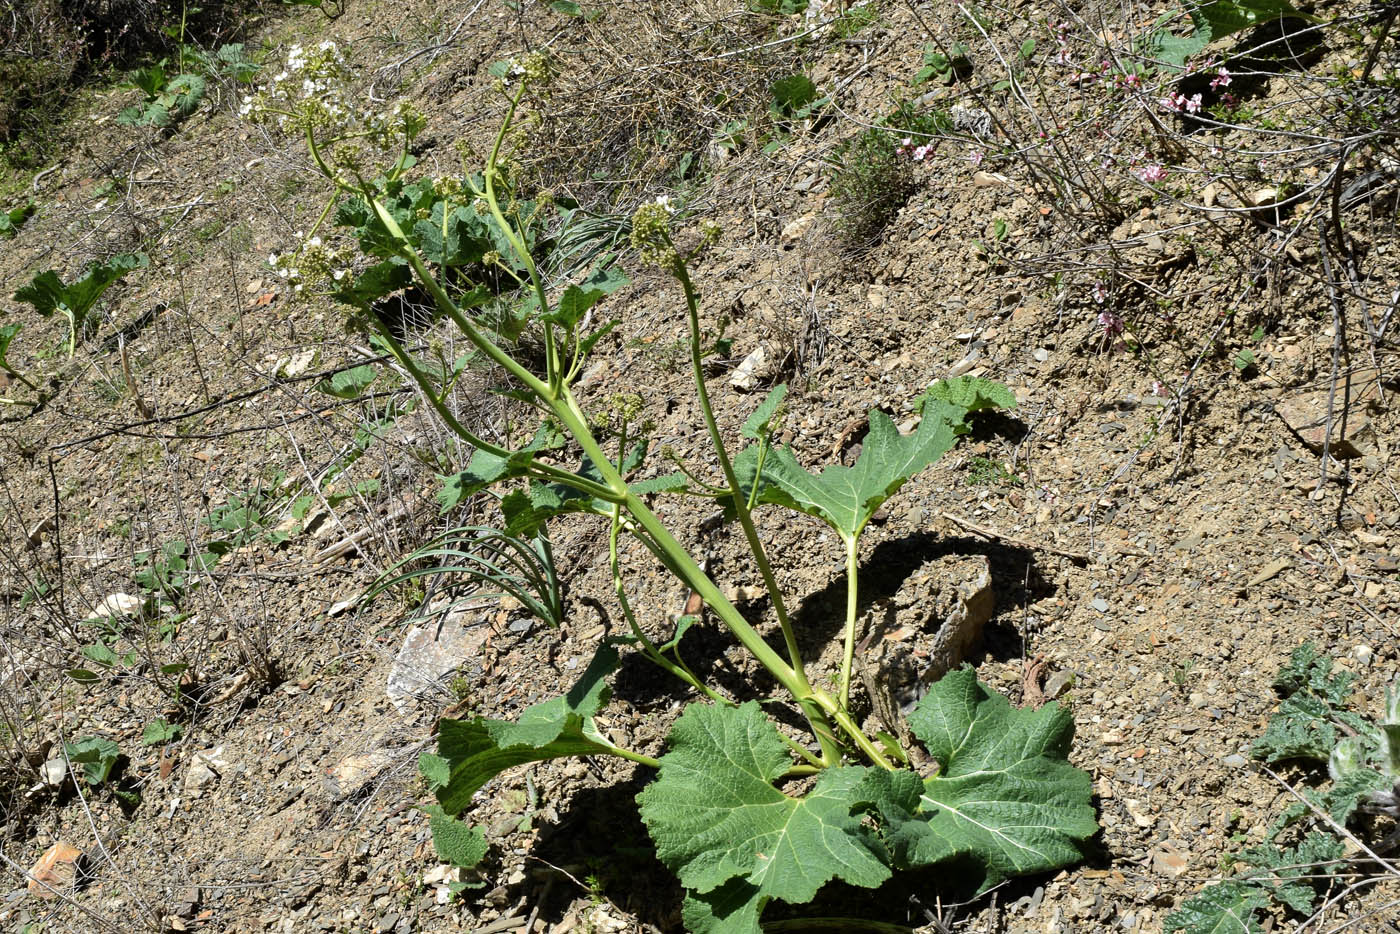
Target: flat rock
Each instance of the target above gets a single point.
(433, 649)
(51, 876)
(353, 772)
(207, 767)
(116, 604)
(1353, 435)
(924, 632)
(749, 373)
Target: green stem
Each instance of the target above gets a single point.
(648, 647)
(553, 372)
(852, 605)
(741, 506)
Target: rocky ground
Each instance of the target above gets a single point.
(1157, 519)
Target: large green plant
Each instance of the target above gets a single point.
(1002, 798)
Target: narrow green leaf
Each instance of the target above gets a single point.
(667, 483)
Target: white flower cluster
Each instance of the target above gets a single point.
(315, 91)
(312, 264)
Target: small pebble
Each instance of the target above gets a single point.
(1100, 604)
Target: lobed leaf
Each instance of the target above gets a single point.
(733, 838)
(1225, 908)
(1005, 798)
(846, 497)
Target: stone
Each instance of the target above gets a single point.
(795, 230)
(751, 371)
(1170, 860)
(207, 766)
(1058, 683)
(435, 648)
(1100, 604)
(116, 604)
(353, 772)
(55, 871)
(1270, 571)
(54, 771)
(1353, 435)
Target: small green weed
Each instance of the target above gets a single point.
(872, 174)
(13, 219)
(984, 471)
(1303, 858)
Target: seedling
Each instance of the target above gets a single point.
(169, 98)
(47, 294)
(1002, 800)
(7, 335)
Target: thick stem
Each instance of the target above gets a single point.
(648, 647)
(848, 653)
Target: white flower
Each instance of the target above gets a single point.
(665, 202)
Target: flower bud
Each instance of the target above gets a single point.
(1345, 758)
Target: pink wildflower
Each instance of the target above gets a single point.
(1150, 174)
(1221, 79)
(1112, 324)
(1172, 102)
(1193, 105)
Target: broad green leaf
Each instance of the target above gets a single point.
(1214, 20)
(846, 497)
(475, 751)
(466, 242)
(13, 219)
(7, 334)
(733, 908)
(760, 422)
(348, 384)
(482, 470)
(1005, 797)
(1225, 908)
(455, 841)
(47, 294)
(160, 731)
(96, 754)
(101, 654)
(376, 282)
(573, 305)
(970, 393)
(606, 277)
(719, 823)
(792, 93)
